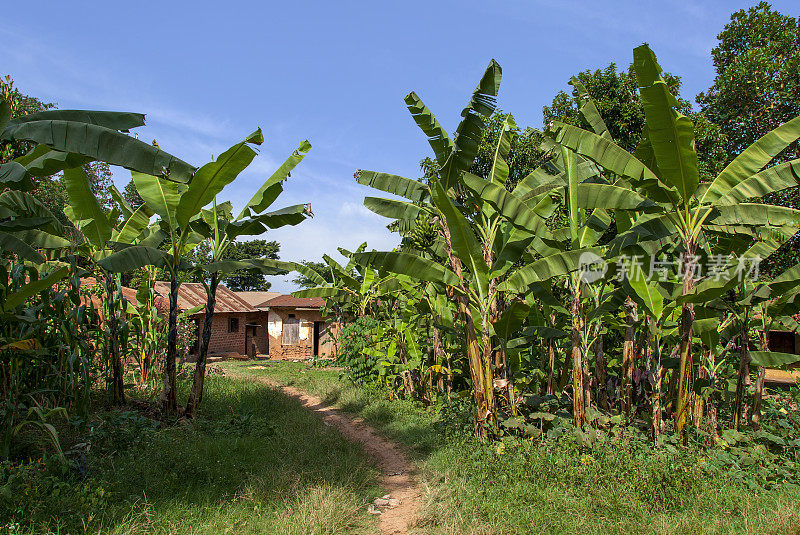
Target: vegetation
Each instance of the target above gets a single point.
(482, 258)
(577, 317)
(136, 473)
(558, 485)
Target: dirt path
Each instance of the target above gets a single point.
(398, 477)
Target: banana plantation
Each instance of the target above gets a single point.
(594, 305)
(625, 282)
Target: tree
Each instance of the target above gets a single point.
(20, 104)
(220, 229)
(665, 170)
(524, 154)
(757, 84)
(98, 231)
(246, 280)
(50, 189)
(132, 196)
(756, 89)
(617, 99)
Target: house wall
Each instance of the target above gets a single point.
(221, 340)
(268, 339)
(305, 348)
(260, 340)
(785, 342)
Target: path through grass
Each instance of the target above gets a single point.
(255, 462)
(523, 487)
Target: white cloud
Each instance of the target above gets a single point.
(357, 210)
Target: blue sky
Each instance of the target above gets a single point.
(335, 73)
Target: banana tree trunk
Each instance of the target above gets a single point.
(564, 375)
(482, 381)
(196, 396)
(655, 374)
(578, 401)
(755, 418)
(587, 378)
(712, 426)
(699, 402)
(685, 347)
(758, 393)
(600, 373)
(117, 386)
(551, 350)
(445, 379)
(169, 400)
(744, 373)
(628, 356)
(483, 390)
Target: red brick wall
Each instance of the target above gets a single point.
(221, 340)
(260, 339)
(224, 342)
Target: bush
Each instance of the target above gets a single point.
(354, 338)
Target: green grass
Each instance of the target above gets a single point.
(525, 487)
(258, 462)
(255, 462)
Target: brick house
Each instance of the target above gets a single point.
(296, 328)
(235, 327)
(96, 290)
(253, 324)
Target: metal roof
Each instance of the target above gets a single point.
(293, 302)
(192, 294)
(91, 282)
(256, 298)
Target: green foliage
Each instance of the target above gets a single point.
(253, 279)
(126, 470)
(757, 84)
(756, 89)
(616, 96)
(524, 154)
(47, 358)
(354, 339)
(22, 487)
(321, 269)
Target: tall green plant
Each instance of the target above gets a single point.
(219, 228)
(665, 171)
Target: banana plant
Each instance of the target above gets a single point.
(177, 204)
(353, 288)
(219, 229)
(98, 233)
(664, 170)
(65, 139)
(70, 138)
(465, 279)
(774, 304)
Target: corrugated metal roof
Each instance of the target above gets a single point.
(294, 302)
(256, 298)
(90, 282)
(192, 294)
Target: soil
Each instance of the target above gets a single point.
(398, 477)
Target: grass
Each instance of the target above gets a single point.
(255, 462)
(526, 487)
(258, 462)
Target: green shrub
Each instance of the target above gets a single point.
(354, 338)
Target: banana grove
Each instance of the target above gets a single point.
(56, 344)
(621, 286)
